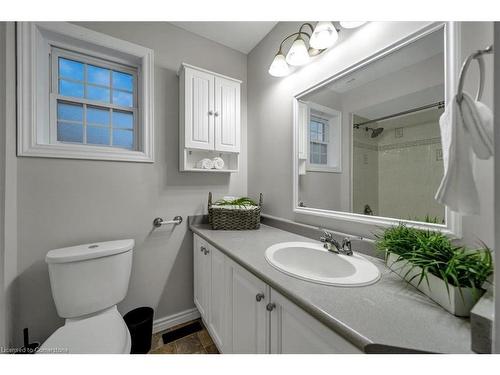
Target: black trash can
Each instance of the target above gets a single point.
(140, 324)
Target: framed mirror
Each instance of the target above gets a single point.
(367, 145)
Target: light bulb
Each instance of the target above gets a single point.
(279, 67)
(298, 54)
(351, 24)
(324, 35)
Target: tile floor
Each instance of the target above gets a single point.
(196, 343)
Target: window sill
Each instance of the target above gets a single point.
(86, 152)
(325, 169)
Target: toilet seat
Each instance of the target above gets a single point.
(105, 332)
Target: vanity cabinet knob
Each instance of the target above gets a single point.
(203, 249)
(270, 306)
(259, 297)
(206, 252)
(216, 114)
(210, 113)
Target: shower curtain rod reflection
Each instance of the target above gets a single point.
(437, 104)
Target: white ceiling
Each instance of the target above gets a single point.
(241, 36)
(412, 54)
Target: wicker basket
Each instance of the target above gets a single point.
(234, 219)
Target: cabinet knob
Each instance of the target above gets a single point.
(203, 249)
(206, 252)
(259, 297)
(210, 113)
(270, 306)
(216, 114)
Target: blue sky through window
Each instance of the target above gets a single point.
(92, 123)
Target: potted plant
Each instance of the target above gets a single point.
(450, 275)
(234, 214)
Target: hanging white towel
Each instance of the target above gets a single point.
(464, 127)
(218, 162)
(205, 164)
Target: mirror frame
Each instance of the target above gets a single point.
(453, 220)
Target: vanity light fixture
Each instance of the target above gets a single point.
(279, 67)
(298, 54)
(324, 35)
(319, 39)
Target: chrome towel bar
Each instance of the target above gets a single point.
(158, 222)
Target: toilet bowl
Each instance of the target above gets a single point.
(87, 283)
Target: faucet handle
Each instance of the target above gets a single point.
(346, 246)
(326, 234)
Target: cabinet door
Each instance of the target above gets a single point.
(247, 318)
(198, 109)
(216, 321)
(227, 115)
(202, 276)
(293, 331)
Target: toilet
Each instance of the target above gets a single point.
(87, 282)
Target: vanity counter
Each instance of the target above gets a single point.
(389, 316)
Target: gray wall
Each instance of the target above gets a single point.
(65, 202)
(270, 113)
(8, 244)
(3, 298)
(496, 334)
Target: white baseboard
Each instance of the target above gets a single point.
(162, 324)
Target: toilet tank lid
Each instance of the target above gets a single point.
(89, 251)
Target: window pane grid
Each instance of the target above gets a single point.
(318, 138)
(77, 79)
(105, 133)
(318, 153)
(95, 105)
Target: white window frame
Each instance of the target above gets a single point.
(334, 130)
(56, 97)
(36, 101)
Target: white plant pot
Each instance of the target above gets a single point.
(436, 288)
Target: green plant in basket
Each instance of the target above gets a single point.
(434, 253)
(239, 202)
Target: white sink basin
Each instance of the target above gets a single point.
(311, 262)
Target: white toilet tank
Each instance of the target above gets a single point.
(89, 278)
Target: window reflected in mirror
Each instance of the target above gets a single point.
(369, 142)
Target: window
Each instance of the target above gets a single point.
(92, 94)
(95, 104)
(318, 136)
(324, 134)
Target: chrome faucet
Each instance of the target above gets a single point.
(331, 244)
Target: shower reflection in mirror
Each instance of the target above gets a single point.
(369, 142)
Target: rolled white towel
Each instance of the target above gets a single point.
(205, 164)
(218, 163)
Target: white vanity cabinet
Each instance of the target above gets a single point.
(245, 315)
(202, 275)
(210, 118)
(209, 288)
(294, 331)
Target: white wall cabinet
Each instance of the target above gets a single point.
(210, 118)
(198, 102)
(227, 115)
(244, 315)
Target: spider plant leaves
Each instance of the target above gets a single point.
(239, 202)
(433, 253)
